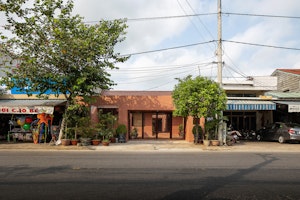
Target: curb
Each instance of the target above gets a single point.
(158, 146)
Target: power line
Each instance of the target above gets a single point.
(159, 68)
(170, 48)
(199, 14)
(158, 18)
(261, 45)
(212, 41)
(261, 15)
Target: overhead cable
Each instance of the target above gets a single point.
(261, 45)
(260, 15)
(159, 18)
(170, 48)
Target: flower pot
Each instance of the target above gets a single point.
(65, 142)
(105, 143)
(206, 143)
(74, 142)
(215, 142)
(85, 141)
(96, 142)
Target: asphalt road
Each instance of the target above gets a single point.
(148, 175)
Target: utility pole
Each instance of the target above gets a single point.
(221, 131)
(219, 52)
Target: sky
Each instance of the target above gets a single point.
(165, 25)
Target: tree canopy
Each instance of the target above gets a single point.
(56, 51)
(198, 97)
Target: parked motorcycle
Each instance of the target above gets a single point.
(235, 135)
(249, 135)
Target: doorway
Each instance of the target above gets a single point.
(151, 125)
(242, 121)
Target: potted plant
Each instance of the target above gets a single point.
(114, 137)
(200, 134)
(181, 130)
(73, 132)
(106, 135)
(65, 141)
(96, 141)
(107, 123)
(78, 119)
(211, 127)
(121, 132)
(134, 133)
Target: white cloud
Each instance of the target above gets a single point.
(158, 69)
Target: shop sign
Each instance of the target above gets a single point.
(294, 108)
(26, 110)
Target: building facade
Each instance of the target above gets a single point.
(151, 111)
(288, 80)
(287, 95)
(248, 108)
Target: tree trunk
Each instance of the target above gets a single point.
(61, 131)
(197, 132)
(62, 126)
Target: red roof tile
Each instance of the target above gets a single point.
(292, 71)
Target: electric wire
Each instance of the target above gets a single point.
(261, 15)
(262, 45)
(192, 22)
(166, 49)
(212, 41)
(167, 73)
(161, 67)
(154, 18)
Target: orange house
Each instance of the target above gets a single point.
(148, 111)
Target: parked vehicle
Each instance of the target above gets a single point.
(234, 134)
(280, 131)
(248, 135)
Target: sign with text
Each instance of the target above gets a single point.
(294, 108)
(27, 110)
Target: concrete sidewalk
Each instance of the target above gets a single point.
(159, 145)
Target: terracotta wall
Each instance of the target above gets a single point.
(126, 101)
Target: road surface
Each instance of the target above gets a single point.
(148, 175)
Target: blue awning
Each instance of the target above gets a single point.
(250, 105)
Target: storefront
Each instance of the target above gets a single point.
(20, 116)
(287, 111)
(247, 114)
(287, 106)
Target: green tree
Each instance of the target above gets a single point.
(198, 97)
(57, 51)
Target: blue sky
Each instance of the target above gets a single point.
(157, 71)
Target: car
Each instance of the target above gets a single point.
(280, 131)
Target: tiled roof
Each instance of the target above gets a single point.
(292, 71)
